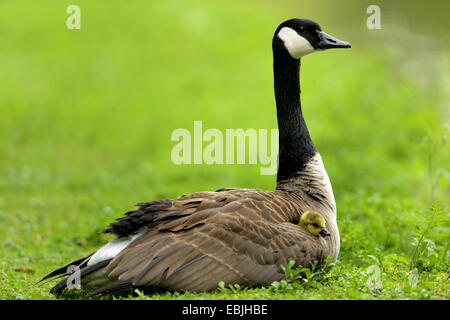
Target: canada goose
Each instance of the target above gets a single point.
(238, 236)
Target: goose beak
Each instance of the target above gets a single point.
(330, 42)
(324, 232)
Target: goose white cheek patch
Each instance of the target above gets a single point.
(296, 45)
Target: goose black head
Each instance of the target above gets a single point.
(302, 36)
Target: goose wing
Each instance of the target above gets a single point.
(194, 242)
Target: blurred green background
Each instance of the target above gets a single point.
(86, 118)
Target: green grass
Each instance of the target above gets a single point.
(86, 118)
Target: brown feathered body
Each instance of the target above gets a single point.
(232, 235)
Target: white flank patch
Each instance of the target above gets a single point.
(111, 249)
(296, 45)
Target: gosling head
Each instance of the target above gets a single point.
(314, 223)
(302, 36)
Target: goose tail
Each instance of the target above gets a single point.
(82, 273)
(63, 271)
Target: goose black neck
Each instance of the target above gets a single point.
(295, 144)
